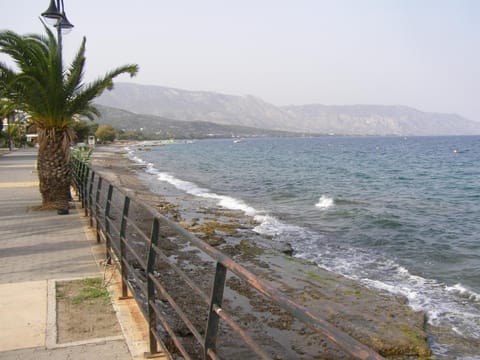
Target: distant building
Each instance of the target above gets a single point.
(20, 124)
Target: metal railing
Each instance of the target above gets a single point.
(112, 212)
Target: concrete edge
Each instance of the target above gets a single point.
(134, 327)
(51, 333)
(133, 324)
(89, 342)
(97, 250)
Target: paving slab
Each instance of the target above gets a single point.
(108, 350)
(37, 247)
(34, 244)
(23, 310)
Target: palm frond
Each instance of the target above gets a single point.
(89, 92)
(6, 77)
(73, 82)
(42, 88)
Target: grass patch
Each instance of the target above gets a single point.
(91, 289)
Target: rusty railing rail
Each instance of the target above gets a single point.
(110, 211)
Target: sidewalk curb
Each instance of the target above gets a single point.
(51, 334)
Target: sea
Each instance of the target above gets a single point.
(400, 214)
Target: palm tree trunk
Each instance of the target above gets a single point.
(54, 171)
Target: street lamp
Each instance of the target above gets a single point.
(55, 15)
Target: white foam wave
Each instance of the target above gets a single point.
(224, 201)
(131, 155)
(268, 225)
(325, 202)
(463, 291)
(454, 306)
(271, 226)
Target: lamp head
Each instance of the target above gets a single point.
(52, 14)
(65, 25)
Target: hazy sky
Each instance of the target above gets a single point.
(419, 53)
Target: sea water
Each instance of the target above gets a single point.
(399, 214)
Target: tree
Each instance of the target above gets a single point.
(83, 129)
(16, 134)
(53, 97)
(105, 133)
(1, 128)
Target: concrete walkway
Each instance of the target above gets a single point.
(37, 248)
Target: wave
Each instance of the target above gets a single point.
(131, 155)
(464, 292)
(325, 202)
(225, 201)
(454, 306)
(268, 225)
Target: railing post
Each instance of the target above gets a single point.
(152, 319)
(107, 222)
(123, 230)
(76, 174)
(73, 165)
(213, 318)
(85, 186)
(90, 201)
(77, 169)
(81, 182)
(73, 162)
(97, 207)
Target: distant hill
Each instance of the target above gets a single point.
(379, 120)
(196, 106)
(127, 121)
(252, 111)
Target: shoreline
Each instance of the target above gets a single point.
(381, 321)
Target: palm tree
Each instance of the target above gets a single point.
(52, 96)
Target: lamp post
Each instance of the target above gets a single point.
(55, 15)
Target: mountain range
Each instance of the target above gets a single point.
(165, 128)
(252, 112)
